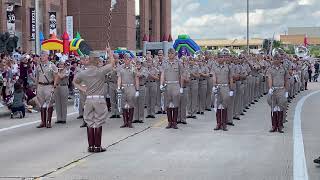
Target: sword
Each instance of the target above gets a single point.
(47, 109)
(76, 103)
(162, 97)
(119, 98)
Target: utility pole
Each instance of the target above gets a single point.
(37, 8)
(248, 47)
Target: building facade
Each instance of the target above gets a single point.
(234, 44)
(155, 20)
(90, 19)
(23, 19)
(298, 36)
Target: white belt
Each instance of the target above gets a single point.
(95, 97)
(278, 87)
(127, 85)
(223, 85)
(172, 82)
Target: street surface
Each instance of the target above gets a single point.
(149, 151)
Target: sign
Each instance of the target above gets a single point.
(69, 26)
(11, 19)
(32, 24)
(53, 22)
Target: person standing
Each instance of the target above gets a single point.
(46, 73)
(128, 85)
(151, 88)
(204, 74)
(139, 108)
(82, 95)
(278, 93)
(61, 92)
(222, 87)
(113, 75)
(171, 71)
(209, 63)
(95, 109)
(159, 96)
(193, 89)
(185, 77)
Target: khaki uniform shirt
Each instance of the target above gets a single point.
(45, 72)
(94, 79)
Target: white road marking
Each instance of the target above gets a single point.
(28, 124)
(300, 171)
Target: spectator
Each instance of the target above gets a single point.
(18, 100)
(24, 67)
(310, 73)
(316, 67)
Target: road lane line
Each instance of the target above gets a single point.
(162, 121)
(300, 171)
(28, 124)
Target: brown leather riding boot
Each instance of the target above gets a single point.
(274, 117)
(280, 122)
(50, 111)
(218, 118)
(97, 140)
(169, 116)
(130, 118)
(175, 118)
(43, 118)
(91, 141)
(224, 119)
(125, 118)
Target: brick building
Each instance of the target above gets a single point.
(90, 19)
(22, 11)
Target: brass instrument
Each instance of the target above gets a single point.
(302, 52)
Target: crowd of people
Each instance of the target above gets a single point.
(18, 80)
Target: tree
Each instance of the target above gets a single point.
(315, 51)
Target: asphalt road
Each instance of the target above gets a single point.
(149, 151)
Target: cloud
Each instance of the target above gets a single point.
(227, 19)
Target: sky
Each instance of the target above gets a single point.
(226, 19)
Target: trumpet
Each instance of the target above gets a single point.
(302, 52)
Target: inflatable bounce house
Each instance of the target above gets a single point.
(76, 46)
(122, 51)
(185, 46)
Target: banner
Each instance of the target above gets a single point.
(32, 24)
(11, 19)
(69, 26)
(53, 22)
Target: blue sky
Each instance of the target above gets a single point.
(226, 19)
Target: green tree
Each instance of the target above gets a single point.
(315, 51)
(277, 44)
(289, 49)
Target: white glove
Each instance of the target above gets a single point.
(118, 90)
(181, 90)
(231, 93)
(161, 87)
(286, 94)
(137, 94)
(214, 90)
(270, 91)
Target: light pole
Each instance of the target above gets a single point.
(37, 8)
(248, 47)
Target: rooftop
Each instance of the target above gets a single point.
(228, 42)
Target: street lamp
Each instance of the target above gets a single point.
(248, 47)
(37, 8)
